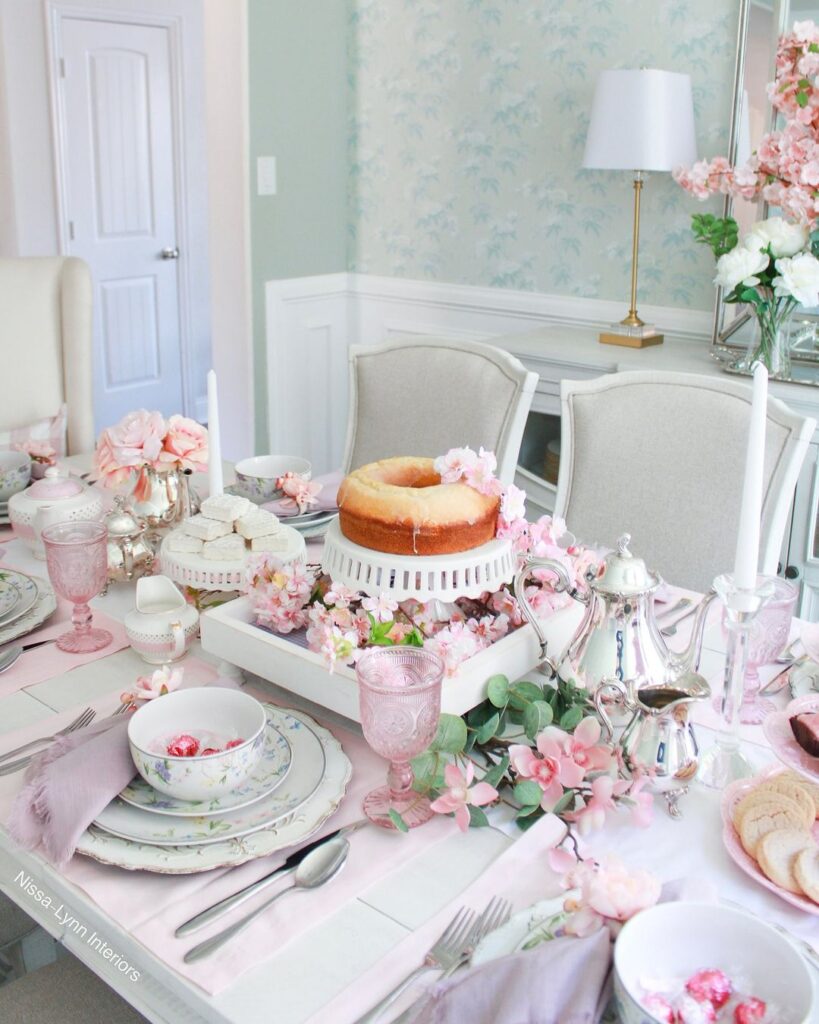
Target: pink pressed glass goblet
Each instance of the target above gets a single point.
(77, 560)
(399, 693)
(768, 636)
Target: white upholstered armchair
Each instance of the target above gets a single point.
(425, 397)
(662, 456)
(45, 340)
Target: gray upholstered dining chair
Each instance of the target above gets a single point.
(45, 335)
(662, 456)
(425, 397)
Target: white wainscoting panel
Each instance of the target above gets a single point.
(311, 321)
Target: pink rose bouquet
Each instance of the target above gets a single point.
(185, 445)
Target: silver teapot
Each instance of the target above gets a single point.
(618, 637)
(130, 552)
(658, 740)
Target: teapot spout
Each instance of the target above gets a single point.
(689, 659)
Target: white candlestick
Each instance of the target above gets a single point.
(215, 485)
(747, 556)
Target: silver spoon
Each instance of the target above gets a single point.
(317, 868)
(671, 629)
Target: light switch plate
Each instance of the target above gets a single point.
(266, 175)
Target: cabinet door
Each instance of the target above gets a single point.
(803, 552)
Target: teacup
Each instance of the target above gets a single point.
(256, 477)
(163, 625)
(15, 473)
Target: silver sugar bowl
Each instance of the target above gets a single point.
(130, 552)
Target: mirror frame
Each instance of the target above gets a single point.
(723, 348)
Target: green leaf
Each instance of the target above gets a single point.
(521, 694)
(488, 729)
(566, 801)
(477, 818)
(497, 772)
(398, 821)
(497, 690)
(528, 793)
(451, 735)
(413, 638)
(527, 816)
(426, 768)
(571, 719)
(801, 99)
(479, 715)
(536, 717)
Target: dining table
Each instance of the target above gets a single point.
(357, 944)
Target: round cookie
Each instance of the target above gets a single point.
(791, 789)
(806, 870)
(765, 816)
(776, 854)
(809, 787)
(760, 795)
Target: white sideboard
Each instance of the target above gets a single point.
(561, 353)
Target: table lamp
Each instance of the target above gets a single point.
(641, 120)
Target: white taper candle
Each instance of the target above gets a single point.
(750, 515)
(215, 485)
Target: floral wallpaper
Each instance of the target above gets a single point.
(466, 135)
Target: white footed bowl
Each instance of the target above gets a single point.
(256, 476)
(200, 709)
(674, 940)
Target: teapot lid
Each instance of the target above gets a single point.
(621, 573)
(122, 521)
(55, 485)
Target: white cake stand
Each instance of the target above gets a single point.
(424, 577)
(192, 570)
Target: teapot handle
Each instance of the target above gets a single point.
(613, 686)
(519, 586)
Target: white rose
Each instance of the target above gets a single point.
(784, 238)
(798, 277)
(740, 265)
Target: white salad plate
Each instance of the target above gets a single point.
(10, 596)
(43, 605)
(295, 827)
(26, 590)
(269, 773)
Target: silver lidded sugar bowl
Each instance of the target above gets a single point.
(130, 552)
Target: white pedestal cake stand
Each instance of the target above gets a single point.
(191, 570)
(423, 577)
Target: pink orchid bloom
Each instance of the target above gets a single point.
(546, 769)
(458, 795)
(593, 815)
(162, 681)
(583, 749)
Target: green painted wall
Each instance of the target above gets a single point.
(297, 81)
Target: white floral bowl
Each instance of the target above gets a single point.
(212, 709)
(15, 473)
(256, 477)
(672, 941)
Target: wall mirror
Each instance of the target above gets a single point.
(761, 22)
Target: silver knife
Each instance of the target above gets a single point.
(229, 902)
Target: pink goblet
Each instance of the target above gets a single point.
(77, 560)
(399, 692)
(768, 636)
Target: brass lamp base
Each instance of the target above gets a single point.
(630, 340)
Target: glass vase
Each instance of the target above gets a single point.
(770, 342)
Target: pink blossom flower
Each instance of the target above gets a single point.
(382, 608)
(452, 466)
(545, 766)
(481, 474)
(39, 451)
(617, 894)
(299, 491)
(584, 750)
(340, 596)
(458, 796)
(162, 681)
(601, 803)
(186, 444)
(513, 504)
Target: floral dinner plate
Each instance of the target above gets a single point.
(10, 596)
(298, 826)
(26, 590)
(269, 773)
(38, 604)
(778, 733)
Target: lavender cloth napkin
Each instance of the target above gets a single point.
(68, 785)
(565, 981)
(326, 499)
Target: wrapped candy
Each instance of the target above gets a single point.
(752, 1011)
(711, 986)
(183, 746)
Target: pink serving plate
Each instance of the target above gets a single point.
(730, 798)
(778, 733)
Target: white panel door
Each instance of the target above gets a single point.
(119, 162)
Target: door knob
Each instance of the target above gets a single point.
(170, 254)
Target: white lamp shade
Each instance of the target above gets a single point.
(641, 121)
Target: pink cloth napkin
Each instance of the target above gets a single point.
(67, 787)
(327, 498)
(49, 661)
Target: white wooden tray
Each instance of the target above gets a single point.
(228, 633)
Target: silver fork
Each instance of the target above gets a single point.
(495, 915)
(79, 722)
(444, 953)
(24, 762)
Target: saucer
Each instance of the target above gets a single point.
(269, 773)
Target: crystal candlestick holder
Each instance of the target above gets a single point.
(400, 701)
(724, 762)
